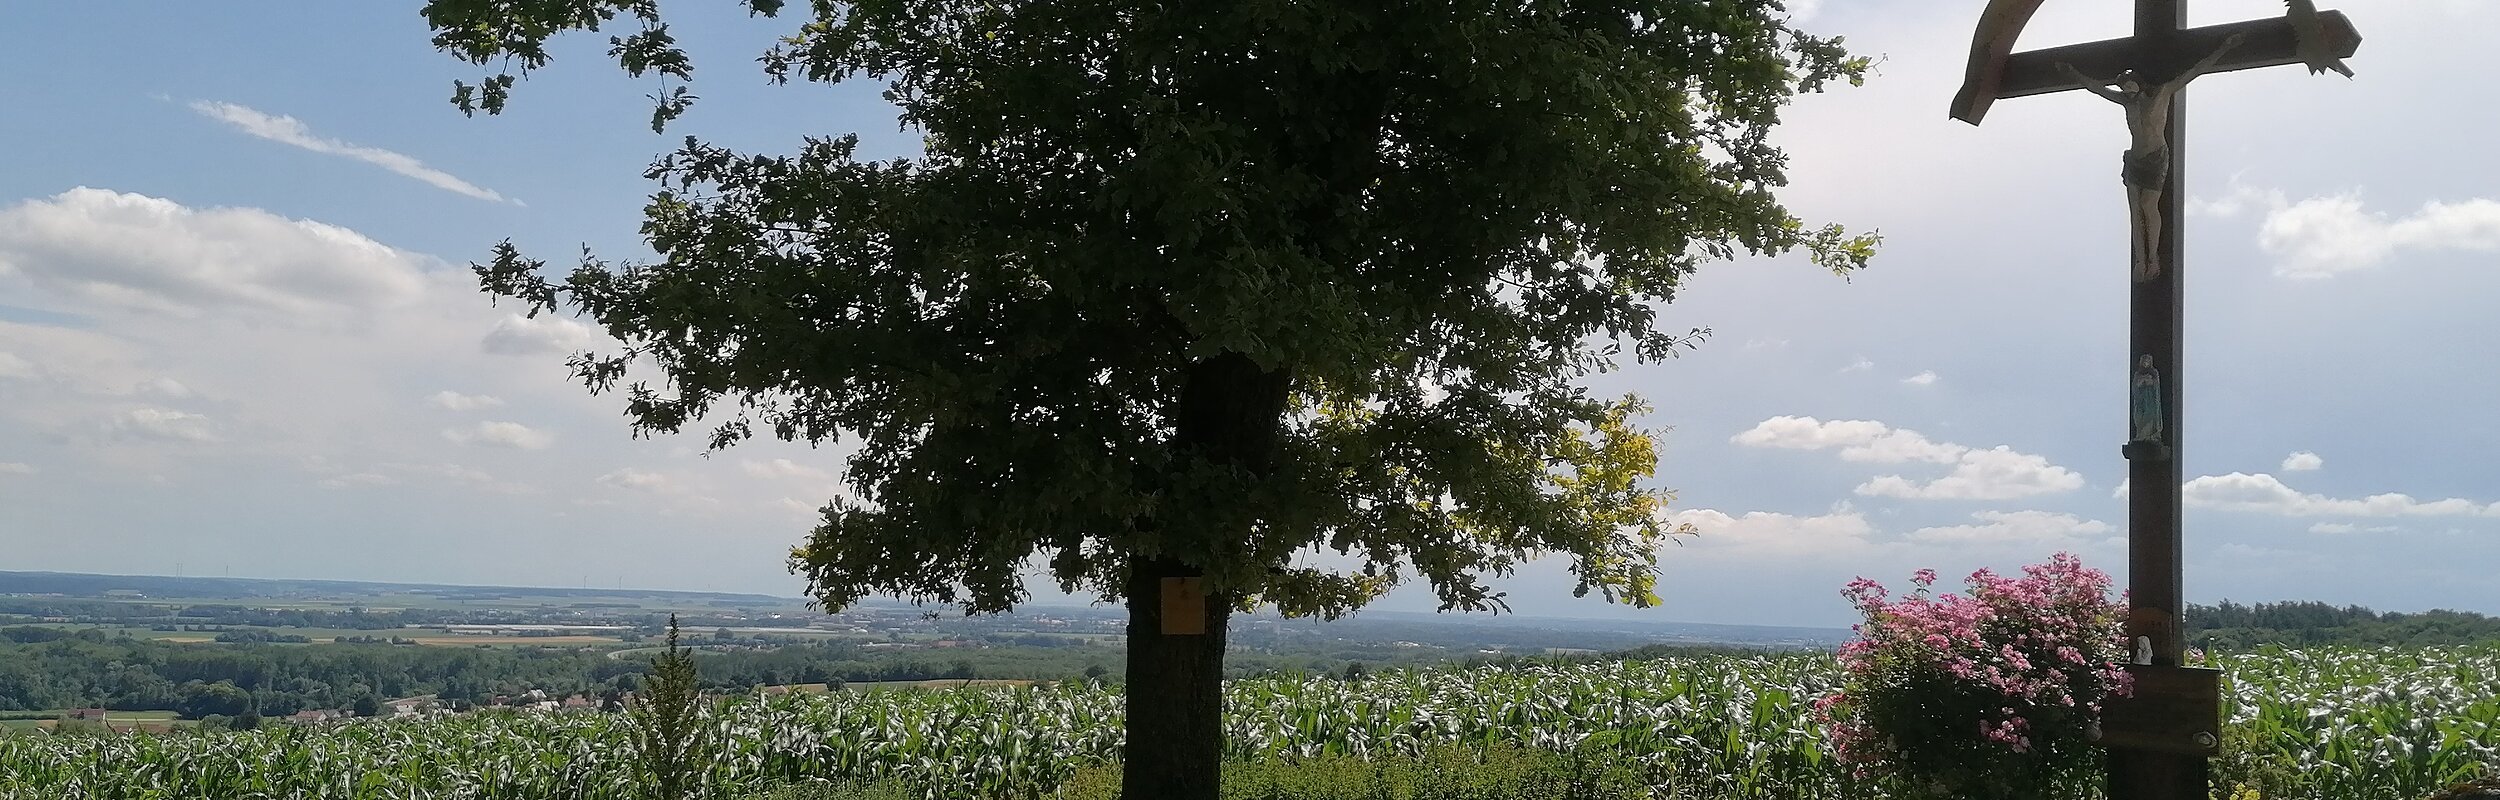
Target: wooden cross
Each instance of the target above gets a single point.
(2156, 750)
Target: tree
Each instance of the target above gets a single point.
(1174, 296)
(365, 705)
(667, 717)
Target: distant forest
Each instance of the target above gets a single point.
(2234, 627)
(51, 668)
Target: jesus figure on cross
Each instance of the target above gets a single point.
(2147, 165)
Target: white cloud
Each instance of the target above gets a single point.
(130, 251)
(1923, 378)
(12, 366)
(1775, 533)
(357, 479)
(501, 434)
(519, 335)
(2267, 494)
(630, 478)
(2322, 236)
(1858, 440)
(2338, 528)
(1860, 365)
(669, 493)
(1997, 473)
(783, 468)
(456, 401)
(2303, 461)
(16, 468)
(291, 131)
(2035, 528)
(163, 425)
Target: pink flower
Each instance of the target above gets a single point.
(2041, 644)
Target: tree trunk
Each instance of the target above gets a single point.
(1229, 412)
(1175, 695)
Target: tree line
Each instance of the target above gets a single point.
(2230, 626)
(52, 668)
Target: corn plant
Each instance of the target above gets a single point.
(2357, 724)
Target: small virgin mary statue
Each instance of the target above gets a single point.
(2144, 402)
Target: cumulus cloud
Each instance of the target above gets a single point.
(1997, 473)
(501, 434)
(783, 468)
(290, 131)
(2323, 236)
(630, 478)
(2303, 461)
(519, 335)
(2265, 493)
(1775, 533)
(135, 252)
(1923, 378)
(668, 493)
(11, 366)
(163, 425)
(456, 401)
(2035, 528)
(1857, 439)
(1860, 365)
(16, 468)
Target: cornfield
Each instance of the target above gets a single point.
(2345, 724)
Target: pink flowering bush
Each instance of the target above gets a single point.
(1980, 696)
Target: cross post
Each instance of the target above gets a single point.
(2160, 739)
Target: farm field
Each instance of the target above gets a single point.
(2341, 723)
(424, 636)
(937, 684)
(21, 721)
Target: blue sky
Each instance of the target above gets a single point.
(236, 334)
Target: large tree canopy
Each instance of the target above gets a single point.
(1192, 289)
(1422, 222)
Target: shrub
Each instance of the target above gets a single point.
(1985, 695)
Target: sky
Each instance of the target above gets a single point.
(238, 335)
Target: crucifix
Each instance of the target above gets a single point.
(2159, 739)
